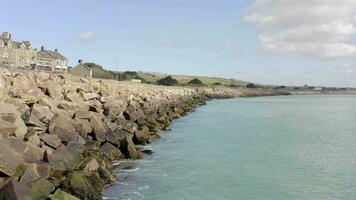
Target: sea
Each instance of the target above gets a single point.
(273, 148)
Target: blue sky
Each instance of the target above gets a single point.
(235, 39)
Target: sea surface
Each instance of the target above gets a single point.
(284, 147)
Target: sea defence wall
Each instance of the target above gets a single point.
(59, 135)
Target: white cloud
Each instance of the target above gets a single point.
(316, 28)
(85, 37)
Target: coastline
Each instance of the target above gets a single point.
(61, 134)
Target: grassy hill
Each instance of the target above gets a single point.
(184, 79)
(148, 77)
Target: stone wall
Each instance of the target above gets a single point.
(59, 135)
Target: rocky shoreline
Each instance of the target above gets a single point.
(59, 135)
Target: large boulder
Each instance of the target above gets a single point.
(81, 186)
(116, 137)
(65, 158)
(41, 113)
(46, 101)
(11, 123)
(115, 108)
(77, 100)
(83, 114)
(91, 167)
(30, 152)
(96, 106)
(127, 146)
(132, 152)
(61, 195)
(141, 136)
(14, 190)
(33, 171)
(33, 138)
(110, 151)
(64, 127)
(41, 77)
(83, 127)
(9, 160)
(134, 113)
(89, 96)
(51, 140)
(129, 126)
(69, 107)
(42, 186)
(3, 89)
(24, 87)
(99, 127)
(53, 90)
(21, 106)
(29, 175)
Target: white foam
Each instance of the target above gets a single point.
(144, 187)
(130, 170)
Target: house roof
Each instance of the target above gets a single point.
(50, 55)
(15, 44)
(56, 55)
(44, 55)
(83, 66)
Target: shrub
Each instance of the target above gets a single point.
(251, 85)
(234, 86)
(168, 81)
(217, 84)
(195, 82)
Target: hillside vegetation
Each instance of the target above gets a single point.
(154, 78)
(184, 80)
(101, 73)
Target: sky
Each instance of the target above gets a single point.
(284, 42)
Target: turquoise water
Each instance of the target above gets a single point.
(289, 147)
